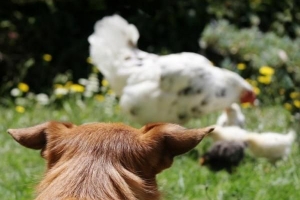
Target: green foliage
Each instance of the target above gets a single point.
(280, 17)
(40, 39)
(260, 53)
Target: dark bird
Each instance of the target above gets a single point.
(224, 155)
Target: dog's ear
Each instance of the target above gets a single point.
(175, 139)
(181, 141)
(35, 137)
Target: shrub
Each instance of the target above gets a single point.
(280, 17)
(41, 39)
(270, 62)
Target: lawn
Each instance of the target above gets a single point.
(255, 179)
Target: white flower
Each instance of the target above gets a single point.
(42, 99)
(83, 81)
(60, 91)
(15, 92)
(92, 88)
(88, 94)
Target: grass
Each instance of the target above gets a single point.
(255, 179)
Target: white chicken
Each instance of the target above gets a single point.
(232, 116)
(170, 88)
(272, 146)
(228, 133)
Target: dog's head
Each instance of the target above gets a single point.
(144, 152)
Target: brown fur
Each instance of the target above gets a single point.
(105, 160)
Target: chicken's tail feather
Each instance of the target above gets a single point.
(112, 38)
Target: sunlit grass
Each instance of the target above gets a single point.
(22, 168)
(254, 179)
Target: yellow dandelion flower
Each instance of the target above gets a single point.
(47, 57)
(252, 82)
(68, 84)
(266, 70)
(58, 96)
(295, 95)
(264, 79)
(20, 109)
(256, 90)
(110, 92)
(99, 97)
(104, 82)
(58, 86)
(95, 70)
(241, 66)
(297, 103)
(89, 60)
(23, 87)
(246, 105)
(287, 106)
(77, 88)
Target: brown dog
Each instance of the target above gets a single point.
(105, 161)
